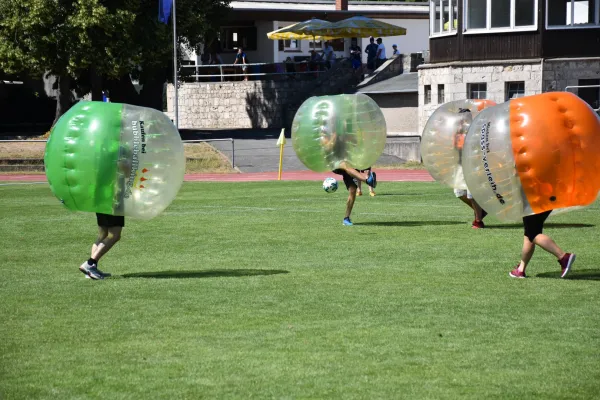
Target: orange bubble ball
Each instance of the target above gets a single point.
(555, 142)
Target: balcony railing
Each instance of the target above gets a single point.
(255, 71)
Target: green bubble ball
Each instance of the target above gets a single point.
(329, 130)
(115, 159)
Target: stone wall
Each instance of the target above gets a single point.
(456, 76)
(231, 105)
(562, 72)
(253, 104)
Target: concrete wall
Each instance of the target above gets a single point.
(407, 148)
(265, 52)
(400, 111)
(456, 76)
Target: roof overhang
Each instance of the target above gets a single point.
(290, 10)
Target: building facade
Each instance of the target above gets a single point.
(501, 49)
(249, 21)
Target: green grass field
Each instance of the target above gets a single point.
(256, 290)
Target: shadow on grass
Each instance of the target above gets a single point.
(550, 225)
(408, 223)
(582, 274)
(212, 273)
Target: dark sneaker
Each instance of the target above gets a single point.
(91, 271)
(347, 222)
(372, 180)
(515, 273)
(478, 225)
(565, 264)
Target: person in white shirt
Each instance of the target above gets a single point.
(396, 52)
(381, 57)
(329, 55)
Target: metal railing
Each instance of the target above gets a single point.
(585, 87)
(281, 68)
(184, 141)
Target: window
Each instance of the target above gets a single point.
(441, 94)
(234, 37)
(572, 13)
(477, 90)
(500, 15)
(525, 13)
(316, 45)
(476, 12)
(427, 94)
(443, 16)
(289, 45)
(591, 95)
(293, 44)
(514, 90)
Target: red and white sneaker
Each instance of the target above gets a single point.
(516, 273)
(565, 264)
(477, 224)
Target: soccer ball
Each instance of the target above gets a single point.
(330, 185)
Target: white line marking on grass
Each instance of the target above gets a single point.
(21, 183)
(225, 209)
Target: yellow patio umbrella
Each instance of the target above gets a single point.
(301, 30)
(359, 27)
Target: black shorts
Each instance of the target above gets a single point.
(110, 220)
(534, 224)
(348, 180)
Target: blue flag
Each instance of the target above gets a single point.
(164, 10)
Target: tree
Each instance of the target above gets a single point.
(91, 45)
(62, 38)
(197, 20)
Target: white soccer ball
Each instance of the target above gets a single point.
(330, 185)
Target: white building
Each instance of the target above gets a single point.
(251, 20)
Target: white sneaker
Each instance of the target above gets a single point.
(91, 271)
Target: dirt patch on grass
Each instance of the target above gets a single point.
(22, 150)
(204, 158)
(200, 157)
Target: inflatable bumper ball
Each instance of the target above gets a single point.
(443, 139)
(116, 159)
(329, 130)
(534, 154)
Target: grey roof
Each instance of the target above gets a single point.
(403, 83)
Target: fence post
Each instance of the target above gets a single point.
(221, 69)
(232, 153)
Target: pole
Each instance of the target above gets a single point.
(175, 67)
(281, 142)
(280, 162)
